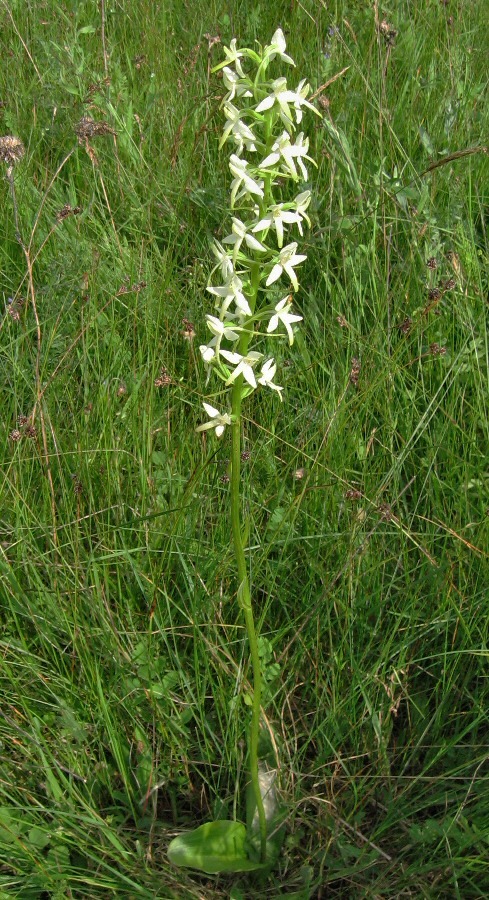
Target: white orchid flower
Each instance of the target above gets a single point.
(301, 203)
(282, 96)
(223, 260)
(277, 215)
(286, 318)
(230, 291)
(240, 234)
(277, 47)
(267, 375)
(221, 329)
(287, 259)
(302, 91)
(235, 85)
(242, 179)
(241, 132)
(283, 149)
(234, 56)
(244, 366)
(208, 353)
(217, 420)
(300, 149)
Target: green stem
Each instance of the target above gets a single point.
(244, 593)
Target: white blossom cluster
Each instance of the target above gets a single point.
(262, 117)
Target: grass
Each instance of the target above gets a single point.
(123, 665)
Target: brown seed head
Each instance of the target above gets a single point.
(14, 313)
(164, 378)
(388, 32)
(353, 494)
(67, 211)
(385, 512)
(11, 149)
(89, 128)
(436, 350)
(355, 371)
(188, 329)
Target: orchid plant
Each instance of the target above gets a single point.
(256, 263)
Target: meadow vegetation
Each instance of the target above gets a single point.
(123, 662)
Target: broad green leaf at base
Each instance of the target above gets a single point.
(213, 848)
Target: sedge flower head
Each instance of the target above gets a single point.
(11, 149)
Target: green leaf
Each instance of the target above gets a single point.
(38, 838)
(426, 141)
(212, 848)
